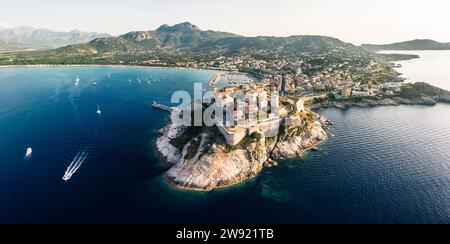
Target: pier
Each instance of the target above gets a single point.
(162, 107)
(213, 81)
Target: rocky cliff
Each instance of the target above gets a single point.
(206, 162)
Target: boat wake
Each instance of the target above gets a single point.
(75, 165)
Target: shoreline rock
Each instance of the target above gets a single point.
(170, 153)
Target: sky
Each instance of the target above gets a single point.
(355, 21)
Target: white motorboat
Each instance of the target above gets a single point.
(29, 153)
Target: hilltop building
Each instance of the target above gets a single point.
(255, 110)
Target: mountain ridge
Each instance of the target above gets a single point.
(39, 38)
(186, 38)
(416, 44)
(179, 36)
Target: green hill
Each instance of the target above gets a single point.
(188, 38)
(282, 45)
(419, 44)
(186, 42)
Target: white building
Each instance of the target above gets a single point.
(361, 93)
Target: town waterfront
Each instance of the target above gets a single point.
(382, 165)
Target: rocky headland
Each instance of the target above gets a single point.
(203, 161)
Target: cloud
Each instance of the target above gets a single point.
(3, 24)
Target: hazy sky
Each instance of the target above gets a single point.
(356, 21)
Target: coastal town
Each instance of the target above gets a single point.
(290, 87)
(343, 75)
(264, 96)
(253, 111)
(273, 117)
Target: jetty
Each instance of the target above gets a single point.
(213, 81)
(162, 107)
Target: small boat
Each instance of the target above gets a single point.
(315, 149)
(99, 112)
(77, 81)
(95, 83)
(29, 153)
(75, 165)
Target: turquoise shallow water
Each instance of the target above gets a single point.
(383, 165)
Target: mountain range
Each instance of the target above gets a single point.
(418, 44)
(186, 38)
(22, 38)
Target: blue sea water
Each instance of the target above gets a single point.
(383, 165)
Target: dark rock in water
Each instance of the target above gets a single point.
(427, 101)
(444, 98)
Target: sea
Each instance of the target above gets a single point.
(380, 165)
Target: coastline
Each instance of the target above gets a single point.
(112, 66)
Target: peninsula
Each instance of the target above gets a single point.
(206, 158)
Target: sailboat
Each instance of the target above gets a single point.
(77, 81)
(99, 112)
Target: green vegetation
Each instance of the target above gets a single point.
(256, 136)
(249, 139)
(420, 89)
(189, 133)
(185, 44)
(399, 57)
